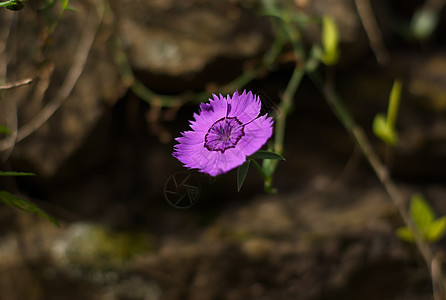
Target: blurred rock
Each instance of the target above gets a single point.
(167, 42)
(308, 244)
(180, 38)
(94, 247)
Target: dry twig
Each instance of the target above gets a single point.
(15, 84)
(79, 61)
(371, 27)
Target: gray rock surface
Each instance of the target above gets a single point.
(180, 38)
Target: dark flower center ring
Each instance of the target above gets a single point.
(224, 134)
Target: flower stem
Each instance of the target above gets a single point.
(260, 169)
(285, 108)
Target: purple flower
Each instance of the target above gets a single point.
(224, 133)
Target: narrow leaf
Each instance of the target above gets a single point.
(330, 40)
(4, 130)
(25, 205)
(3, 173)
(241, 174)
(405, 234)
(421, 212)
(436, 230)
(263, 154)
(394, 103)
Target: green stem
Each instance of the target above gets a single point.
(292, 34)
(135, 85)
(266, 177)
(285, 108)
(260, 169)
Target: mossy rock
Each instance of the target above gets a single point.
(94, 246)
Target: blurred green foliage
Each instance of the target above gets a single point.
(424, 22)
(4, 130)
(13, 4)
(94, 246)
(330, 41)
(431, 229)
(25, 205)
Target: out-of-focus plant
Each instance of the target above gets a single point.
(426, 18)
(6, 197)
(12, 200)
(25, 205)
(13, 4)
(53, 14)
(308, 63)
(424, 22)
(432, 229)
(384, 126)
(330, 41)
(4, 130)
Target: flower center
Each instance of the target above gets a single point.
(224, 134)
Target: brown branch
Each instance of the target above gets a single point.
(372, 30)
(78, 66)
(4, 35)
(79, 61)
(15, 84)
(9, 106)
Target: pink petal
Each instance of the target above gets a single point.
(219, 163)
(245, 107)
(210, 113)
(256, 135)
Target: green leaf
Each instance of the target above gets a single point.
(5, 130)
(25, 205)
(436, 230)
(330, 40)
(64, 4)
(405, 234)
(383, 131)
(71, 9)
(264, 154)
(3, 173)
(241, 174)
(421, 212)
(394, 103)
(384, 126)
